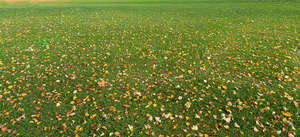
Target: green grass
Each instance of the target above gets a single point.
(166, 66)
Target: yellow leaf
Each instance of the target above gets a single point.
(187, 123)
(175, 126)
(287, 114)
(284, 120)
(10, 87)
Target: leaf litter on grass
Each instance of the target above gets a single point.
(131, 76)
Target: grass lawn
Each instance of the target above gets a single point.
(150, 68)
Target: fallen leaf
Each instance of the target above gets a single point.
(194, 127)
(101, 83)
(287, 114)
(227, 119)
(10, 87)
(224, 87)
(236, 125)
(117, 133)
(226, 127)
(4, 128)
(255, 129)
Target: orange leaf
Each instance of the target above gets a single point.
(101, 83)
(3, 129)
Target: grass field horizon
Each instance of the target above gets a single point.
(150, 68)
